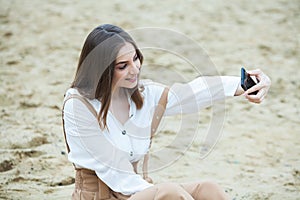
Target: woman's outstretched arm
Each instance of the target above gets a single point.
(204, 91)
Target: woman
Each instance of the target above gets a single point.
(108, 116)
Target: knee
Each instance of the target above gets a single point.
(210, 185)
(211, 190)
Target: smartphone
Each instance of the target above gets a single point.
(246, 81)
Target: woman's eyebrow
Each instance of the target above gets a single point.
(125, 61)
(121, 62)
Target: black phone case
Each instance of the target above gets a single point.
(246, 81)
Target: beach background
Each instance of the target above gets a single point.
(257, 155)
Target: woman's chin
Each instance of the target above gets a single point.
(131, 86)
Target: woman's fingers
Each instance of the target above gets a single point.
(256, 87)
(254, 72)
(263, 78)
(262, 87)
(258, 98)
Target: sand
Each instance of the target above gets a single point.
(257, 156)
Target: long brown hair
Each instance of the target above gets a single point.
(96, 65)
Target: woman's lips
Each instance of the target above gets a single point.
(132, 80)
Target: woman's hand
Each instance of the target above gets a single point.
(262, 87)
(148, 179)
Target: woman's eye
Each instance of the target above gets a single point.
(122, 67)
(135, 57)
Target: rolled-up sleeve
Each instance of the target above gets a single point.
(91, 149)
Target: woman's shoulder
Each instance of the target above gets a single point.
(72, 91)
(69, 93)
(75, 91)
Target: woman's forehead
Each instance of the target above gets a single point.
(127, 50)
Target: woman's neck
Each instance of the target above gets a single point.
(119, 106)
(118, 94)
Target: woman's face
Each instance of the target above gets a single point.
(127, 68)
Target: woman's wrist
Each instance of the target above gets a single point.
(239, 90)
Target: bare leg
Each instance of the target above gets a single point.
(205, 191)
(164, 191)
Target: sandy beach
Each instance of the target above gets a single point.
(257, 155)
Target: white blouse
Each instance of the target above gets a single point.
(110, 152)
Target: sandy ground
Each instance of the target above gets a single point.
(257, 156)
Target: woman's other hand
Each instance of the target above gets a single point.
(262, 87)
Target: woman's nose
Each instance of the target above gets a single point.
(134, 68)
